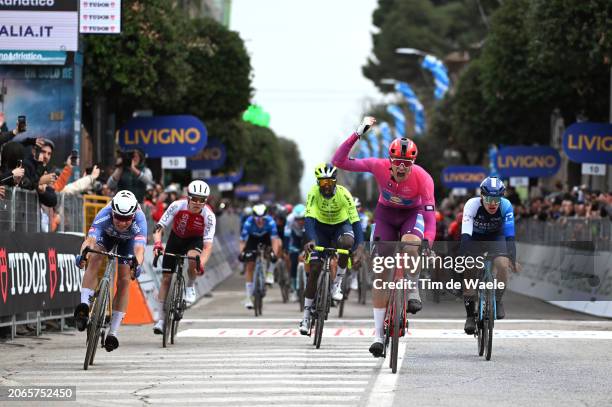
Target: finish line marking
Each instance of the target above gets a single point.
(412, 333)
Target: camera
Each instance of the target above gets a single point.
(21, 124)
(126, 158)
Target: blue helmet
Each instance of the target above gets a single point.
(299, 211)
(492, 186)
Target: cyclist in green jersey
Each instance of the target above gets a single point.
(331, 221)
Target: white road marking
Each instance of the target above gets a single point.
(383, 390)
(353, 332)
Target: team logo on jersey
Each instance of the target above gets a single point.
(429, 207)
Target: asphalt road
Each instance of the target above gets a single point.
(225, 356)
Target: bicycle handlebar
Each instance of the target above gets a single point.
(196, 259)
(131, 259)
(330, 250)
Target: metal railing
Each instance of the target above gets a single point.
(20, 211)
(564, 229)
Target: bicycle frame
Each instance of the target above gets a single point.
(322, 298)
(259, 283)
(174, 305)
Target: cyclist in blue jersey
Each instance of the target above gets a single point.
(258, 228)
(488, 226)
(121, 222)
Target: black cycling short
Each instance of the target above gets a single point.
(181, 246)
(253, 241)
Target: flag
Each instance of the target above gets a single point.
(400, 119)
(440, 74)
(414, 105)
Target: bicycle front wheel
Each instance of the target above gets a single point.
(301, 276)
(169, 310)
(490, 321)
(398, 316)
(258, 290)
(178, 307)
(95, 323)
(322, 308)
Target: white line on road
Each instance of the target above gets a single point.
(383, 390)
(355, 332)
(415, 320)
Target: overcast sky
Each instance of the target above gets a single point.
(306, 58)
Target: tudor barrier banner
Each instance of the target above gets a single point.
(37, 272)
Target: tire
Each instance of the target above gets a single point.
(301, 276)
(169, 310)
(362, 278)
(388, 323)
(95, 323)
(398, 323)
(257, 292)
(480, 337)
(346, 287)
(490, 322)
(323, 301)
(177, 307)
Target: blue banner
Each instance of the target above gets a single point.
(164, 136)
(232, 177)
(246, 190)
(588, 142)
(524, 161)
(440, 74)
(211, 157)
(400, 119)
(463, 176)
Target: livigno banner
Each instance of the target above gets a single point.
(164, 136)
(588, 143)
(37, 272)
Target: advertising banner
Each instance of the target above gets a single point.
(463, 176)
(525, 161)
(46, 96)
(212, 157)
(246, 190)
(8, 57)
(588, 143)
(232, 177)
(100, 17)
(37, 272)
(164, 136)
(43, 25)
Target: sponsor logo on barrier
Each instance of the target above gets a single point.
(3, 275)
(36, 273)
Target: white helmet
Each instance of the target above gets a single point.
(260, 210)
(124, 203)
(198, 188)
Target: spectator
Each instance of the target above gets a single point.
(567, 208)
(37, 176)
(133, 175)
(11, 165)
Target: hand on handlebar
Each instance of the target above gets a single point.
(158, 249)
(309, 247)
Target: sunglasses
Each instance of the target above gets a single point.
(401, 161)
(491, 200)
(197, 200)
(120, 218)
(327, 182)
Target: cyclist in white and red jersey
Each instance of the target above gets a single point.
(405, 210)
(193, 229)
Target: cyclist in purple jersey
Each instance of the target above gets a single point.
(405, 210)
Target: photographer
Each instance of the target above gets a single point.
(131, 174)
(36, 172)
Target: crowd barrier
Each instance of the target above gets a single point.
(220, 266)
